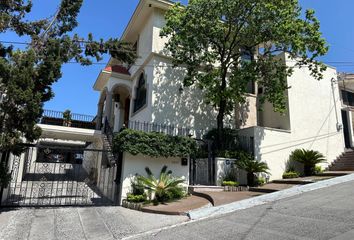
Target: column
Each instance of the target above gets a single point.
(99, 116)
(117, 116)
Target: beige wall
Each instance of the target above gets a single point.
(246, 113)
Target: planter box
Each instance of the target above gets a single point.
(236, 189)
(131, 205)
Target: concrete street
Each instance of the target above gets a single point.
(327, 213)
(92, 223)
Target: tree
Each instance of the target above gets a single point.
(26, 75)
(227, 44)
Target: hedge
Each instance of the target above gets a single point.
(153, 144)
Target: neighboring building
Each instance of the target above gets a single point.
(346, 86)
(72, 164)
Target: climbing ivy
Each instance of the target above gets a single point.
(153, 144)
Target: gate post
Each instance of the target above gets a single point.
(210, 163)
(4, 159)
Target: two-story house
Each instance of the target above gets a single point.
(71, 164)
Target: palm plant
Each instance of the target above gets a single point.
(309, 158)
(252, 167)
(162, 186)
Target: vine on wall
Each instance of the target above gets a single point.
(153, 144)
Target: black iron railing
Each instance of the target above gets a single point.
(172, 130)
(108, 131)
(51, 117)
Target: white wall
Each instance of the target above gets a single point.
(170, 106)
(144, 43)
(144, 113)
(313, 116)
(133, 165)
(224, 165)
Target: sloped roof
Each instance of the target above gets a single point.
(117, 69)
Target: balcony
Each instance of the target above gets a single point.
(56, 118)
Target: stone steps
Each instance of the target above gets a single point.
(345, 162)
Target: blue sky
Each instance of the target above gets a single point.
(108, 18)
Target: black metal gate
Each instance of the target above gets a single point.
(51, 176)
(202, 167)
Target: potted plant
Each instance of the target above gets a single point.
(67, 118)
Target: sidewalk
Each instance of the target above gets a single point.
(180, 207)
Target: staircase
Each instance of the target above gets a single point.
(107, 139)
(345, 162)
(107, 146)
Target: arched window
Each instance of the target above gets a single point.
(140, 95)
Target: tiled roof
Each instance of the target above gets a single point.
(117, 69)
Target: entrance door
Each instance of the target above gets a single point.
(345, 120)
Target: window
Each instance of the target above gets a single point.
(348, 98)
(247, 55)
(140, 97)
(246, 58)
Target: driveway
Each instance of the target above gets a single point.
(96, 223)
(327, 213)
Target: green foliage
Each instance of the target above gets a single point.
(153, 144)
(309, 158)
(164, 188)
(136, 198)
(27, 74)
(260, 181)
(318, 170)
(252, 167)
(5, 176)
(290, 174)
(230, 175)
(210, 38)
(67, 115)
(230, 183)
(228, 138)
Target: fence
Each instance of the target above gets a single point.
(51, 117)
(161, 128)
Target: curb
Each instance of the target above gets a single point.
(271, 197)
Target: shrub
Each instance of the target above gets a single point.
(260, 181)
(230, 183)
(318, 170)
(153, 144)
(252, 167)
(137, 187)
(164, 187)
(291, 174)
(230, 175)
(309, 158)
(136, 198)
(176, 193)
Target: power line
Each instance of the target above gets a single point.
(337, 63)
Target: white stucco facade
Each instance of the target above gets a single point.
(314, 122)
(311, 121)
(135, 165)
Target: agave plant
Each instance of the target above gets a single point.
(252, 167)
(309, 158)
(162, 186)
